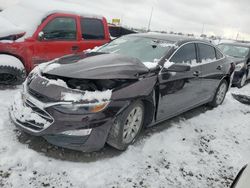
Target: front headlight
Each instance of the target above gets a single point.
(81, 108)
(239, 66)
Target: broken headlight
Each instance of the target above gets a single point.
(81, 108)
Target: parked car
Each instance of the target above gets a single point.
(118, 31)
(243, 178)
(32, 33)
(240, 54)
(83, 101)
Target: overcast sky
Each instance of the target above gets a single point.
(220, 17)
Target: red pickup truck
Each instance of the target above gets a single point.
(32, 33)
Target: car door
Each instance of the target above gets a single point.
(93, 33)
(179, 91)
(57, 37)
(212, 68)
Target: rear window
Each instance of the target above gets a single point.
(207, 53)
(92, 29)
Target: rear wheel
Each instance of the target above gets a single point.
(220, 94)
(127, 126)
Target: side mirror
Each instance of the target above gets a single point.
(41, 35)
(178, 67)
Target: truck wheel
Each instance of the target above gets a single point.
(12, 71)
(127, 126)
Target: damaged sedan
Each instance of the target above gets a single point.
(109, 94)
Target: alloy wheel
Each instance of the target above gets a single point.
(243, 80)
(221, 93)
(133, 124)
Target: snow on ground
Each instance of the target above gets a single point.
(203, 151)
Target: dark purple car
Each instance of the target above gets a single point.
(108, 95)
(240, 55)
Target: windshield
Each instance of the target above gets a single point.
(142, 48)
(233, 50)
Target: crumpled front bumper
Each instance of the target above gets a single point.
(25, 113)
(36, 118)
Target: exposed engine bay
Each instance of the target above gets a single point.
(92, 85)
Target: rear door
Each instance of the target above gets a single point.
(213, 69)
(57, 37)
(94, 32)
(179, 91)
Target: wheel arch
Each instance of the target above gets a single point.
(17, 56)
(149, 112)
(228, 79)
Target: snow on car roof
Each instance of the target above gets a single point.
(169, 37)
(29, 14)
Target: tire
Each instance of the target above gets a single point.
(126, 123)
(242, 81)
(220, 94)
(11, 75)
(242, 98)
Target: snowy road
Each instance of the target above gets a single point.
(200, 149)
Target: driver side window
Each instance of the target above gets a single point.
(60, 29)
(186, 54)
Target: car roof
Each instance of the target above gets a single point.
(178, 39)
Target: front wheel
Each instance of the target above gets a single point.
(242, 81)
(11, 76)
(220, 94)
(12, 71)
(127, 126)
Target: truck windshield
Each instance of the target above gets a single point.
(143, 48)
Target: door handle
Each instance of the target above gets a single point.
(197, 73)
(74, 48)
(219, 67)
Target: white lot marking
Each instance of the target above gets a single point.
(204, 151)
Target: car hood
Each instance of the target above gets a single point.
(8, 28)
(98, 66)
(237, 60)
